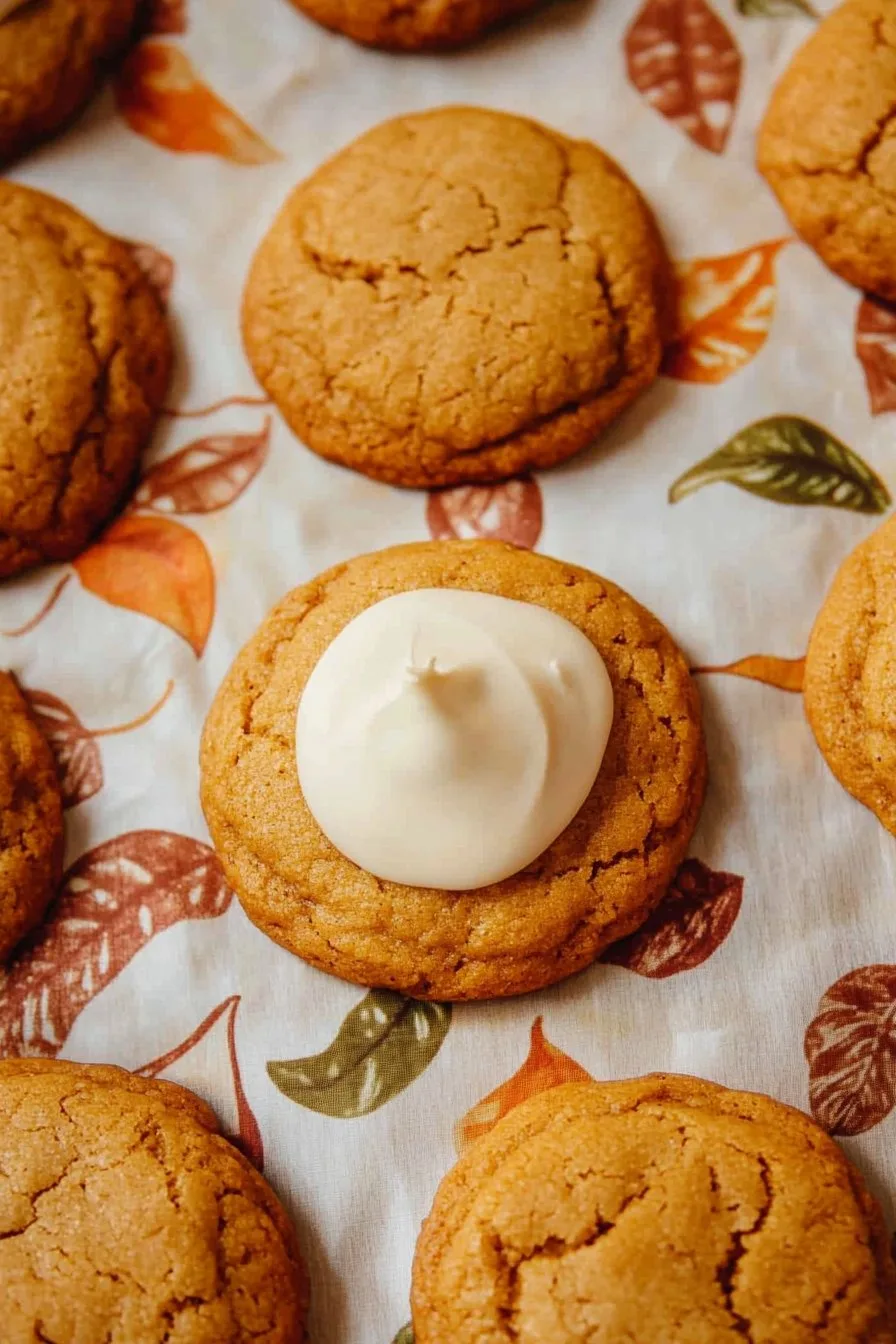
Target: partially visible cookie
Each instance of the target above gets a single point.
(126, 1217)
(650, 1211)
(828, 143)
(52, 56)
(850, 682)
(595, 883)
(415, 25)
(86, 355)
(458, 295)
(31, 828)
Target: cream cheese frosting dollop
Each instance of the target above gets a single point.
(446, 737)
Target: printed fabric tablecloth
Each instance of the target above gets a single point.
(724, 500)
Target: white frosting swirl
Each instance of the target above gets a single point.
(446, 737)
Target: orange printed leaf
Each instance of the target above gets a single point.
(693, 919)
(156, 265)
(850, 1047)
(785, 674)
(206, 475)
(158, 568)
(509, 511)
(200, 1063)
(161, 97)
(876, 349)
(725, 307)
(166, 16)
(682, 59)
(544, 1067)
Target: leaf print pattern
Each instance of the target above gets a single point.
(691, 922)
(545, 1066)
(850, 1047)
(206, 475)
(775, 9)
(684, 62)
(785, 674)
(162, 98)
(510, 511)
(384, 1044)
(166, 16)
(876, 350)
(405, 1335)
(724, 310)
(156, 265)
(112, 901)
(789, 460)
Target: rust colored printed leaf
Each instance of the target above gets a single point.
(682, 59)
(112, 901)
(78, 758)
(545, 1066)
(158, 568)
(511, 511)
(162, 98)
(785, 674)
(166, 16)
(725, 307)
(694, 918)
(876, 349)
(206, 475)
(850, 1047)
(156, 265)
(248, 1136)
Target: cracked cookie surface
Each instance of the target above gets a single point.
(86, 355)
(412, 25)
(597, 882)
(827, 145)
(31, 827)
(850, 682)
(126, 1218)
(52, 56)
(457, 296)
(658, 1209)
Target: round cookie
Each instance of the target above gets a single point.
(31, 827)
(658, 1209)
(827, 145)
(597, 882)
(126, 1217)
(52, 56)
(851, 674)
(86, 356)
(416, 25)
(459, 295)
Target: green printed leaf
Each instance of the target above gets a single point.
(790, 461)
(385, 1042)
(774, 9)
(405, 1335)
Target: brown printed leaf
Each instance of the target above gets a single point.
(166, 16)
(205, 476)
(693, 919)
(682, 59)
(785, 674)
(545, 1066)
(162, 98)
(725, 307)
(248, 1136)
(510, 511)
(850, 1047)
(158, 568)
(876, 349)
(156, 265)
(112, 901)
(77, 755)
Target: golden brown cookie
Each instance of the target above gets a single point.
(86, 354)
(459, 295)
(828, 143)
(415, 25)
(31, 828)
(52, 56)
(850, 682)
(662, 1210)
(126, 1217)
(598, 880)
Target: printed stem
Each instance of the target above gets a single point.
(197, 412)
(784, 674)
(140, 719)
(44, 611)
(156, 1066)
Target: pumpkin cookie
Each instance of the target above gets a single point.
(31, 830)
(595, 883)
(52, 57)
(416, 25)
(828, 143)
(851, 673)
(86, 354)
(458, 296)
(126, 1217)
(658, 1209)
